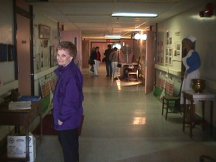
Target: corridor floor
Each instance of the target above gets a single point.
(125, 125)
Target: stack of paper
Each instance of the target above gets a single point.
(20, 105)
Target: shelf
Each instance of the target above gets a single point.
(43, 73)
(168, 70)
(7, 87)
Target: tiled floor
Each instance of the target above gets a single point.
(127, 126)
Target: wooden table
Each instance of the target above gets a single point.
(21, 118)
(189, 108)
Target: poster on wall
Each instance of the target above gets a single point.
(160, 49)
(6, 52)
(10, 52)
(177, 47)
(177, 51)
(3, 52)
(52, 56)
(38, 62)
(42, 59)
(160, 52)
(172, 53)
(43, 31)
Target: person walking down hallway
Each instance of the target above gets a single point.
(67, 101)
(107, 60)
(96, 56)
(91, 61)
(114, 61)
(191, 63)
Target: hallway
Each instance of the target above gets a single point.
(127, 126)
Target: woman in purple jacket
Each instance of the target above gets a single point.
(68, 98)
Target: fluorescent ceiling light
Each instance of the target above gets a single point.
(139, 36)
(125, 14)
(112, 36)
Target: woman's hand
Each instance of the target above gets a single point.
(60, 122)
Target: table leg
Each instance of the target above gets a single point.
(162, 106)
(41, 127)
(191, 120)
(184, 114)
(17, 129)
(203, 115)
(27, 145)
(211, 117)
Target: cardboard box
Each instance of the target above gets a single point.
(16, 147)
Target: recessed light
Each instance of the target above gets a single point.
(125, 14)
(112, 36)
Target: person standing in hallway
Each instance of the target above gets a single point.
(114, 61)
(191, 63)
(67, 101)
(96, 56)
(107, 60)
(91, 61)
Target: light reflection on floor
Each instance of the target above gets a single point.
(139, 120)
(121, 83)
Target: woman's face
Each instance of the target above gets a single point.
(63, 57)
(186, 45)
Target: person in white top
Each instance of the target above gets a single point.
(191, 62)
(114, 62)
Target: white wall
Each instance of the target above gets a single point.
(6, 31)
(6, 22)
(38, 48)
(42, 54)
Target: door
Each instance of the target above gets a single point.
(23, 55)
(149, 63)
(85, 53)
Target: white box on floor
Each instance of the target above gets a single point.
(16, 147)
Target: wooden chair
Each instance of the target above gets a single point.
(170, 100)
(134, 70)
(47, 87)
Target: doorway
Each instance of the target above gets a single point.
(23, 45)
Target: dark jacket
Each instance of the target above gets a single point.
(95, 56)
(68, 97)
(107, 54)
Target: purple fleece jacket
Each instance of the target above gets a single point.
(68, 97)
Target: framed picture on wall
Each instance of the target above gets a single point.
(3, 52)
(38, 62)
(52, 57)
(43, 31)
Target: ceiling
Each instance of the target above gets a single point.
(93, 17)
